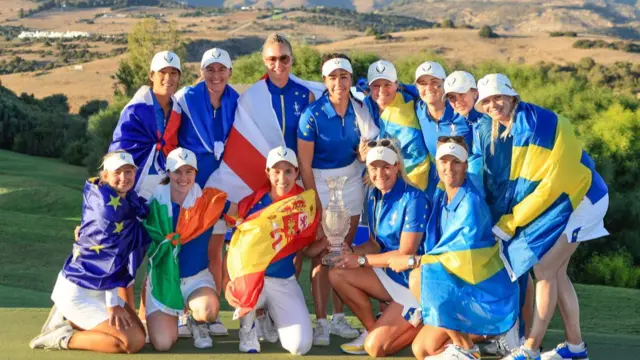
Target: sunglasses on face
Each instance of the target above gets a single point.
(454, 139)
(284, 59)
(383, 142)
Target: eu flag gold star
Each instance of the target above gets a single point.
(76, 253)
(114, 201)
(97, 248)
(119, 227)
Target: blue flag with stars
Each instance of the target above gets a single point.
(111, 242)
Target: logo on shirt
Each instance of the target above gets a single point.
(453, 129)
(394, 218)
(296, 108)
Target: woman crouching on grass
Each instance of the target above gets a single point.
(110, 246)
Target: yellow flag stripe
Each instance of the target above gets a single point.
(472, 265)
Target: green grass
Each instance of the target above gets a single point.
(40, 202)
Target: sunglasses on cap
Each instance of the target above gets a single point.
(454, 139)
(284, 59)
(382, 142)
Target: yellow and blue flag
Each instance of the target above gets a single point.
(465, 286)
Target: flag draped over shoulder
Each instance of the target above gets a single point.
(465, 286)
(399, 121)
(111, 242)
(196, 109)
(550, 175)
(200, 210)
(276, 232)
(138, 134)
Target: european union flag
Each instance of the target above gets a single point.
(112, 241)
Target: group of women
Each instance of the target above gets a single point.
(467, 189)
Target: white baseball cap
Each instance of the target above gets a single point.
(281, 153)
(458, 82)
(165, 59)
(383, 153)
(451, 148)
(336, 63)
(382, 69)
(116, 160)
(430, 68)
(215, 55)
(494, 84)
(180, 157)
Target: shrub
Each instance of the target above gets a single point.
(614, 270)
(487, 32)
(448, 24)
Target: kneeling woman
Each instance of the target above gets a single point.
(462, 285)
(110, 245)
(398, 214)
(180, 223)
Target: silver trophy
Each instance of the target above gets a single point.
(335, 219)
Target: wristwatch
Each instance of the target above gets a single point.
(362, 260)
(414, 261)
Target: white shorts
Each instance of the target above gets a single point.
(587, 220)
(220, 227)
(412, 311)
(188, 285)
(84, 307)
(284, 300)
(353, 193)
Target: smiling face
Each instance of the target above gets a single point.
(278, 59)
(430, 89)
(165, 81)
(338, 84)
(463, 103)
(452, 171)
(182, 179)
(282, 177)
(216, 76)
(383, 175)
(383, 92)
(498, 107)
(121, 180)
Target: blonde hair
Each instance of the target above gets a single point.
(495, 126)
(103, 173)
(275, 38)
(402, 172)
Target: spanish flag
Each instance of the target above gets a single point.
(277, 231)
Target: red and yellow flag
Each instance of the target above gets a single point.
(279, 230)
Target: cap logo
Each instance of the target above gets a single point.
(452, 81)
(282, 154)
(168, 58)
(337, 61)
(452, 146)
(485, 81)
(380, 150)
(428, 68)
(380, 68)
(509, 86)
(183, 155)
(216, 53)
(123, 156)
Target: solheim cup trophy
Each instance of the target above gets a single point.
(335, 219)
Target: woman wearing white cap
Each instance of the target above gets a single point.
(467, 289)
(281, 295)
(179, 277)
(397, 223)
(110, 246)
(329, 136)
(552, 199)
(208, 110)
(393, 112)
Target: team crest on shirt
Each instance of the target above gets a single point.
(453, 129)
(394, 218)
(296, 108)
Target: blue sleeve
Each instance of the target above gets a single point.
(415, 216)
(307, 126)
(481, 147)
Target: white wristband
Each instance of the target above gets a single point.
(112, 298)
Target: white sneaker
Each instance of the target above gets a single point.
(217, 329)
(455, 352)
(266, 329)
(249, 340)
(200, 332)
(54, 339)
(321, 333)
(54, 319)
(340, 327)
(504, 344)
(183, 327)
(355, 347)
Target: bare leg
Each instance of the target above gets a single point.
(320, 287)
(391, 333)
(108, 339)
(204, 305)
(527, 308)
(163, 330)
(429, 341)
(569, 306)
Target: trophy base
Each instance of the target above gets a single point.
(331, 258)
